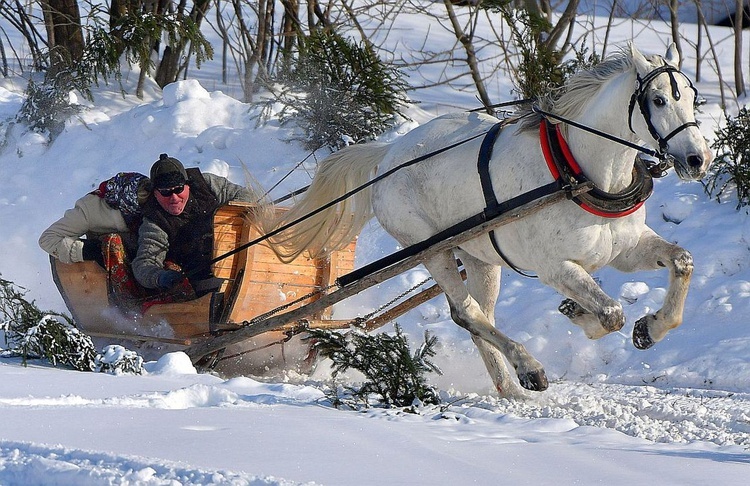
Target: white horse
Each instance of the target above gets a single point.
(630, 97)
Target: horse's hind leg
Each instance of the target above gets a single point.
(483, 283)
(467, 313)
(653, 252)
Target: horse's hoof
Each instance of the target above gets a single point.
(571, 309)
(641, 338)
(612, 318)
(534, 380)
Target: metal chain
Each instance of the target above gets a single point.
(272, 312)
(218, 356)
(355, 321)
(360, 321)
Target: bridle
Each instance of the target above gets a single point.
(663, 162)
(639, 96)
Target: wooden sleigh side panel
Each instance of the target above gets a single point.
(83, 287)
(260, 282)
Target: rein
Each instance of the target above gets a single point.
(335, 201)
(657, 169)
(599, 133)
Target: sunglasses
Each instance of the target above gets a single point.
(171, 190)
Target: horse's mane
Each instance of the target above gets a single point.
(571, 99)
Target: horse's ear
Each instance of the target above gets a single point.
(672, 57)
(641, 63)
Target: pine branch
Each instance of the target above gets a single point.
(394, 375)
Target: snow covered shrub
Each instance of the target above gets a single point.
(117, 360)
(33, 333)
(49, 104)
(731, 166)
(46, 108)
(339, 92)
(16, 313)
(393, 374)
(59, 343)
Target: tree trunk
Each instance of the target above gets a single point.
(290, 27)
(264, 43)
(739, 80)
(117, 10)
(674, 22)
(471, 58)
(566, 23)
(702, 23)
(256, 55)
(63, 23)
(169, 67)
(610, 20)
(224, 34)
(698, 53)
(290, 32)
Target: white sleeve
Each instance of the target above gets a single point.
(91, 214)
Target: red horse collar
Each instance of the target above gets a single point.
(564, 168)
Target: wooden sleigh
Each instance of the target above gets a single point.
(256, 283)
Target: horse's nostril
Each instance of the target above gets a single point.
(695, 161)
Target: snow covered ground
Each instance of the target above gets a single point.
(676, 414)
(176, 427)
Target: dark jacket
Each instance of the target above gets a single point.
(186, 239)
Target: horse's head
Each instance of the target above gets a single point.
(666, 99)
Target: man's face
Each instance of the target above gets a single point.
(173, 199)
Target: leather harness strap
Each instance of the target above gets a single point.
(566, 173)
(483, 164)
(490, 200)
(492, 206)
(640, 97)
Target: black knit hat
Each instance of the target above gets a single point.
(168, 172)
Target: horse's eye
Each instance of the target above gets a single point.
(659, 101)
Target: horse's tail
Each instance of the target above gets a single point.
(335, 227)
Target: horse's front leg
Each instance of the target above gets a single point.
(587, 306)
(467, 313)
(653, 252)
